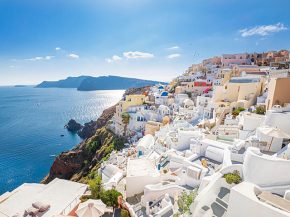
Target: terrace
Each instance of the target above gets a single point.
(62, 200)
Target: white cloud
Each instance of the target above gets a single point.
(40, 58)
(263, 30)
(173, 48)
(48, 57)
(57, 48)
(35, 58)
(73, 56)
(114, 58)
(137, 55)
(109, 60)
(172, 56)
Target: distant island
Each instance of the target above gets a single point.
(20, 85)
(88, 83)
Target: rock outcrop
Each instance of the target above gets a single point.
(73, 126)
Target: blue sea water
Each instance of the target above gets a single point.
(31, 124)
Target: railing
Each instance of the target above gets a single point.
(71, 205)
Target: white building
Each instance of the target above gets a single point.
(61, 195)
(140, 172)
(260, 192)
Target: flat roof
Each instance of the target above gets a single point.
(58, 194)
(248, 66)
(244, 80)
(215, 143)
(141, 167)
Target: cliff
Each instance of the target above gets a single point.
(86, 157)
(90, 128)
(70, 82)
(113, 83)
(82, 162)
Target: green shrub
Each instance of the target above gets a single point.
(84, 198)
(118, 143)
(92, 146)
(96, 188)
(233, 177)
(92, 175)
(260, 110)
(237, 111)
(185, 200)
(110, 197)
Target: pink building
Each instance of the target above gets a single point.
(238, 59)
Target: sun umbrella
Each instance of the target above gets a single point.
(91, 208)
(274, 132)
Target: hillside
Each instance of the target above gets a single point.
(70, 82)
(82, 162)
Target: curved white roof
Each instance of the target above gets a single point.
(147, 142)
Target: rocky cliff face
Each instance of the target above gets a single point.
(73, 126)
(82, 162)
(84, 159)
(90, 128)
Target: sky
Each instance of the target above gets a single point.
(148, 39)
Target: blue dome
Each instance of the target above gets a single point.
(160, 87)
(164, 93)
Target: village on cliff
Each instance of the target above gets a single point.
(214, 142)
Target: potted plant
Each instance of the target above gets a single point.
(233, 178)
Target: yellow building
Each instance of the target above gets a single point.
(238, 92)
(223, 76)
(123, 105)
(238, 69)
(278, 92)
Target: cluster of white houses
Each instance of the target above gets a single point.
(226, 117)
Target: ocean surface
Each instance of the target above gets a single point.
(31, 124)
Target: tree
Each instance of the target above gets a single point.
(125, 121)
(110, 197)
(185, 200)
(96, 187)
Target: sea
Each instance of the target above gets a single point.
(32, 129)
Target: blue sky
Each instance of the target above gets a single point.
(151, 39)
